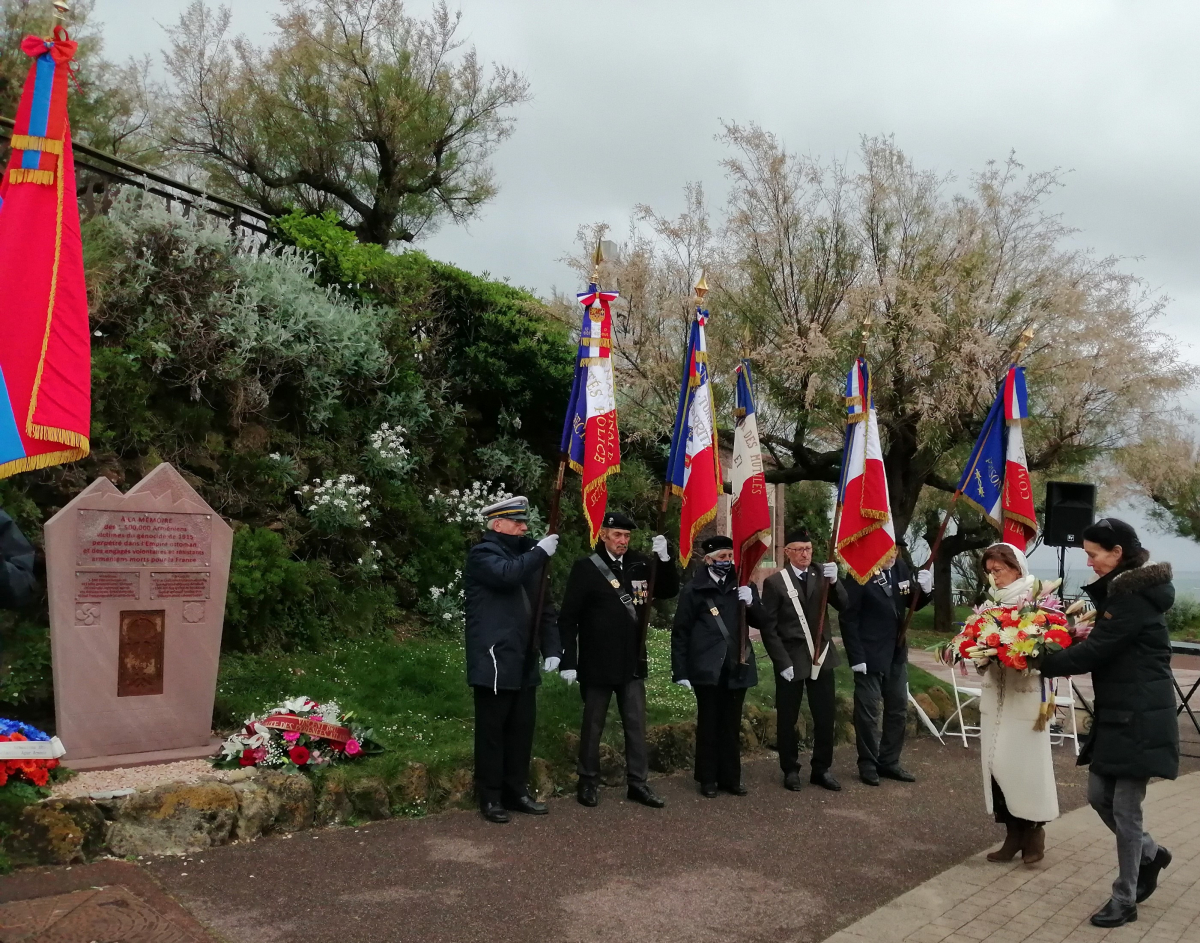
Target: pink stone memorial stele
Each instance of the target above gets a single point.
(137, 601)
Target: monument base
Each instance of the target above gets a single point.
(121, 760)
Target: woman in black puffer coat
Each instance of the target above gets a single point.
(1135, 733)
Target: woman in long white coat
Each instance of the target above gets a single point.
(1018, 770)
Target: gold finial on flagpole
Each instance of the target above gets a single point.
(701, 286)
(866, 333)
(597, 258)
(61, 9)
(1025, 340)
(746, 342)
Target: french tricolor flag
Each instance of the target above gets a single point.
(1020, 518)
(694, 465)
(751, 513)
(865, 534)
(590, 438)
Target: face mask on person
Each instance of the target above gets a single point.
(721, 567)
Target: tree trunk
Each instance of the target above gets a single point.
(952, 546)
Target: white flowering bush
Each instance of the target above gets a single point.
(386, 449)
(368, 563)
(445, 605)
(337, 503)
(465, 507)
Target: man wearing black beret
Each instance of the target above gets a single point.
(792, 606)
(705, 657)
(600, 626)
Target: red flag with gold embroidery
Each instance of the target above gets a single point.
(45, 343)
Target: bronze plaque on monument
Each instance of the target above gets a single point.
(140, 652)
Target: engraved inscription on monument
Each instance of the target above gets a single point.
(140, 652)
(178, 585)
(144, 538)
(107, 584)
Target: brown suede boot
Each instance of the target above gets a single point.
(1013, 842)
(1033, 848)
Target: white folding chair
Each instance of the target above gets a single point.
(964, 696)
(1064, 711)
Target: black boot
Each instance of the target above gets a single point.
(1148, 873)
(588, 794)
(1114, 914)
(640, 792)
(791, 781)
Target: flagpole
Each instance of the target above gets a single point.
(61, 9)
(1022, 343)
(743, 622)
(837, 518)
(556, 498)
(700, 289)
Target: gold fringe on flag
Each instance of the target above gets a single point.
(24, 175)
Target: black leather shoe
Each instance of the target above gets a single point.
(869, 777)
(898, 773)
(1147, 882)
(493, 812)
(708, 790)
(527, 805)
(642, 793)
(588, 794)
(1113, 914)
(791, 781)
(738, 789)
(825, 780)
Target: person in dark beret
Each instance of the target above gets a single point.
(792, 607)
(600, 626)
(705, 654)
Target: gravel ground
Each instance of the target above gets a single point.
(138, 777)
(774, 865)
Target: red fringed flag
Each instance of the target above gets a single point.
(751, 514)
(694, 465)
(590, 438)
(45, 345)
(865, 533)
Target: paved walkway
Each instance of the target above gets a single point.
(1051, 903)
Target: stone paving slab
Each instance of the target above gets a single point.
(1052, 901)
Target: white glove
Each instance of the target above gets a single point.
(788, 673)
(568, 675)
(859, 668)
(831, 573)
(746, 595)
(549, 543)
(685, 683)
(659, 546)
(925, 580)
(552, 663)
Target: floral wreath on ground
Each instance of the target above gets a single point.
(298, 734)
(32, 770)
(1015, 635)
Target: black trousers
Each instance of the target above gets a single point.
(718, 734)
(631, 702)
(788, 695)
(890, 687)
(504, 723)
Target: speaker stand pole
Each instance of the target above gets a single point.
(1062, 573)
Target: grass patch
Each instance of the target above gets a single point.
(414, 693)
(1183, 619)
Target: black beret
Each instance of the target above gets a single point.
(718, 542)
(798, 536)
(619, 521)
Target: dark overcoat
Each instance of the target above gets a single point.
(599, 638)
(874, 615)
(699, 651)
(16, 565)
(783, 635)
(1136, 731)
(501, 583)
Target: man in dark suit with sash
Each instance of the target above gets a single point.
(600, 626)
(792, 605)
(871, 626)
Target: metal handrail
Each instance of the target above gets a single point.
(259, 221)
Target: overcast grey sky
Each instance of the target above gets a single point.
(628, 95)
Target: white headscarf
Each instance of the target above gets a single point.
(1018, 589)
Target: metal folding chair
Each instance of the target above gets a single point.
(964, 696)
(1064, 711)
